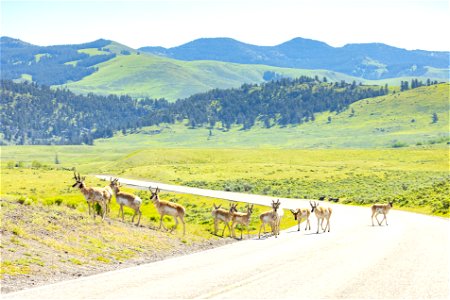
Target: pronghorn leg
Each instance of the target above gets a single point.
(161, 223)
(139, 218)
(373, 214)
(260, 227)
(328, 224)
(104, 208)
(176, 223)
(184, 224)
(384, 218)
(233, 233)
(226, 226)
(132, 219)
(376, 217)
(215, 226)
(318, 223)
(299, 221)
(308, 224)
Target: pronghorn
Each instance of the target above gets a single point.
(109, 196)
(381, 209)
(220, 214)
(126, 199)
(168, 208)
(272, 217)
(322, 213)
(302, 213)
(241, 218)
(92, 194)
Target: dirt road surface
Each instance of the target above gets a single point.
(409, 259)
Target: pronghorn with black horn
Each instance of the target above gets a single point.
(381, 209)
(168, 208)
(242, 219)
(222, 215)
(126, 199)
(322, 213)
(92, 194)
(271, 217)
(302, 213)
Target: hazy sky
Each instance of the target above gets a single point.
(410, 24)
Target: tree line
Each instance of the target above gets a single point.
(36, 114)
(51, 65)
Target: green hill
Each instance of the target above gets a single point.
(395, 120)
(147, 75)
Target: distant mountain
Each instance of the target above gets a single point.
(369, 61)
(107, 67)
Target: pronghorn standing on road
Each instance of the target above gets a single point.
(168, 208)
(322, 213)
(271, 217)
(381, 209)
(302, 213)
(92, 194)
(222, 215)
(241, 218)
(126, 199)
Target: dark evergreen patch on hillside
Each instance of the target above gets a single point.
(285, 101)
(34, 114)
(47, 65)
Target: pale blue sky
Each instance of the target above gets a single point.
(410, 24)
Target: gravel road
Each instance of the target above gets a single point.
(409, 259)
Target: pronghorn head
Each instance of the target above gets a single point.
(216, 207)
(391, 203)
(295, 213)
(313, 205)
(79, 180)
(114, 183)
(276, 205)
(154, 196)
(233, 207)
(250, 209)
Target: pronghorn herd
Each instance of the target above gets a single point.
(103, 197)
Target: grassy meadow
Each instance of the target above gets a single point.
(378, 150)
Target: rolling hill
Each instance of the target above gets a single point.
(107, 67)
(396, 120)
(369, 61)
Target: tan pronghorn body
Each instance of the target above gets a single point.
(92, 194)
(322, 213)
(222, 215)
(378, 209)
(126, 199)
(109, 195)
(241, 218)
(168, 208)
(300, 214)
(272, 218)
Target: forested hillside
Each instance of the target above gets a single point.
(53, 64)
(281, 102)
(34, 114)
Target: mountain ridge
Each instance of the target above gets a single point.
(366, 60)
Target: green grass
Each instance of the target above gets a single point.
(146, 75)
(158, 77)
(395, 120)
(92, 51)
